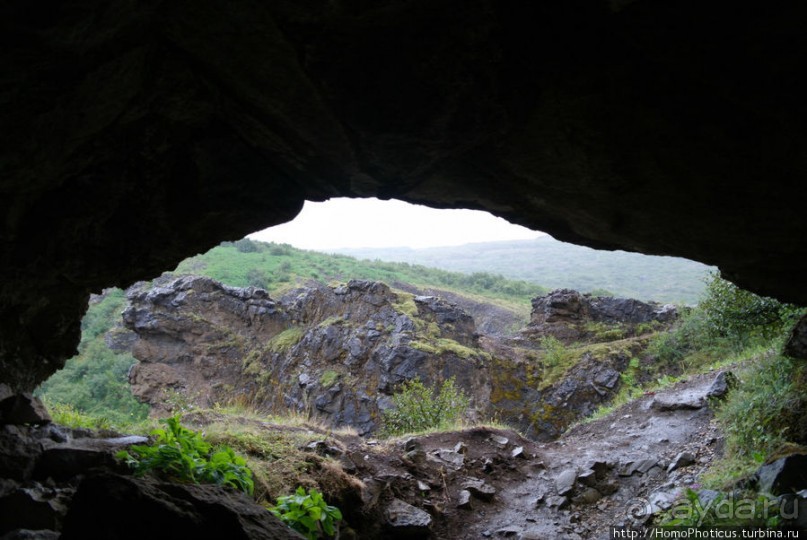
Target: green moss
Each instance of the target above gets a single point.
(286, 339)
(425, 347)
(557, 359)
(445, 345)
(405, 304)
(507, 382)
(330, 321)
(605, 332)
(432, 330)
(328, 378)
(251, 365)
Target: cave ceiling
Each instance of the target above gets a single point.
(138, 133)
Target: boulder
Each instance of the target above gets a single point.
(479, 489)
(785, 475)
(33, 508)
(563, 313)
(464, 499)
(725, 381)
(406, 521)
(564, 482)
(679, 401)
(681, 460)
(21, 409)
(796, 345)
(114, 507)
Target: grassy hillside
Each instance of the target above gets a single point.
(279, 267)
(95, 381)
(555, 264)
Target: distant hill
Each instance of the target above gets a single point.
(555, 264)
(281, 267)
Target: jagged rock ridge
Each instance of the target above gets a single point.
(340, 352)
(334, 351)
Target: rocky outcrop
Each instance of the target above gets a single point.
(570, 315)
(335, 352)
(340, 352)
(114, 507)
(543, 399)
(60, 481)
(796, 345)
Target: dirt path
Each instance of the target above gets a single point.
(614, 469)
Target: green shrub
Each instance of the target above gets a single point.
(245, 245)
(418, 408)
(308, 514)
(738, 314)
(182, 455)
(67, 415)
(766, 410)
(689, 342)
(555, 352)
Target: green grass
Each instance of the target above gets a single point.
(328, 377)
(277, 267)
(445, 345)
(286, 339)
(763, 415)
(555, 264)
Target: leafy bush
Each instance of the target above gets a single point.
(418, 408)
(555, 352)
(689, 335)
(245, 245)
(182, 455)
(308, 514)
(738, 314)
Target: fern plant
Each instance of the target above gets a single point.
(181, 454)
(308, 514)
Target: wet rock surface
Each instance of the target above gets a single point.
(618, 470)
(57, 482)
(567, 314)
(122, 507)
(340, 352)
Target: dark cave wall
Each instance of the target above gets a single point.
(138, 133)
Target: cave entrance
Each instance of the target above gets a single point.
(487, 266)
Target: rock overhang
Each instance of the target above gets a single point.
(135, 136)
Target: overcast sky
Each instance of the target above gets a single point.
(340, 223)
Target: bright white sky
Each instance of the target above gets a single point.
(352, 223)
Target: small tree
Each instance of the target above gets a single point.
(245, 245)
(738, 314)
(418, 408)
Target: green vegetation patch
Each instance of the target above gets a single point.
(308, 514)
(557, 359)
(441, 346)
(418, 408)
(328, 378)
(286, 339)
(95, 382)
(182, 455)
(761, 416)
(279, 267)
